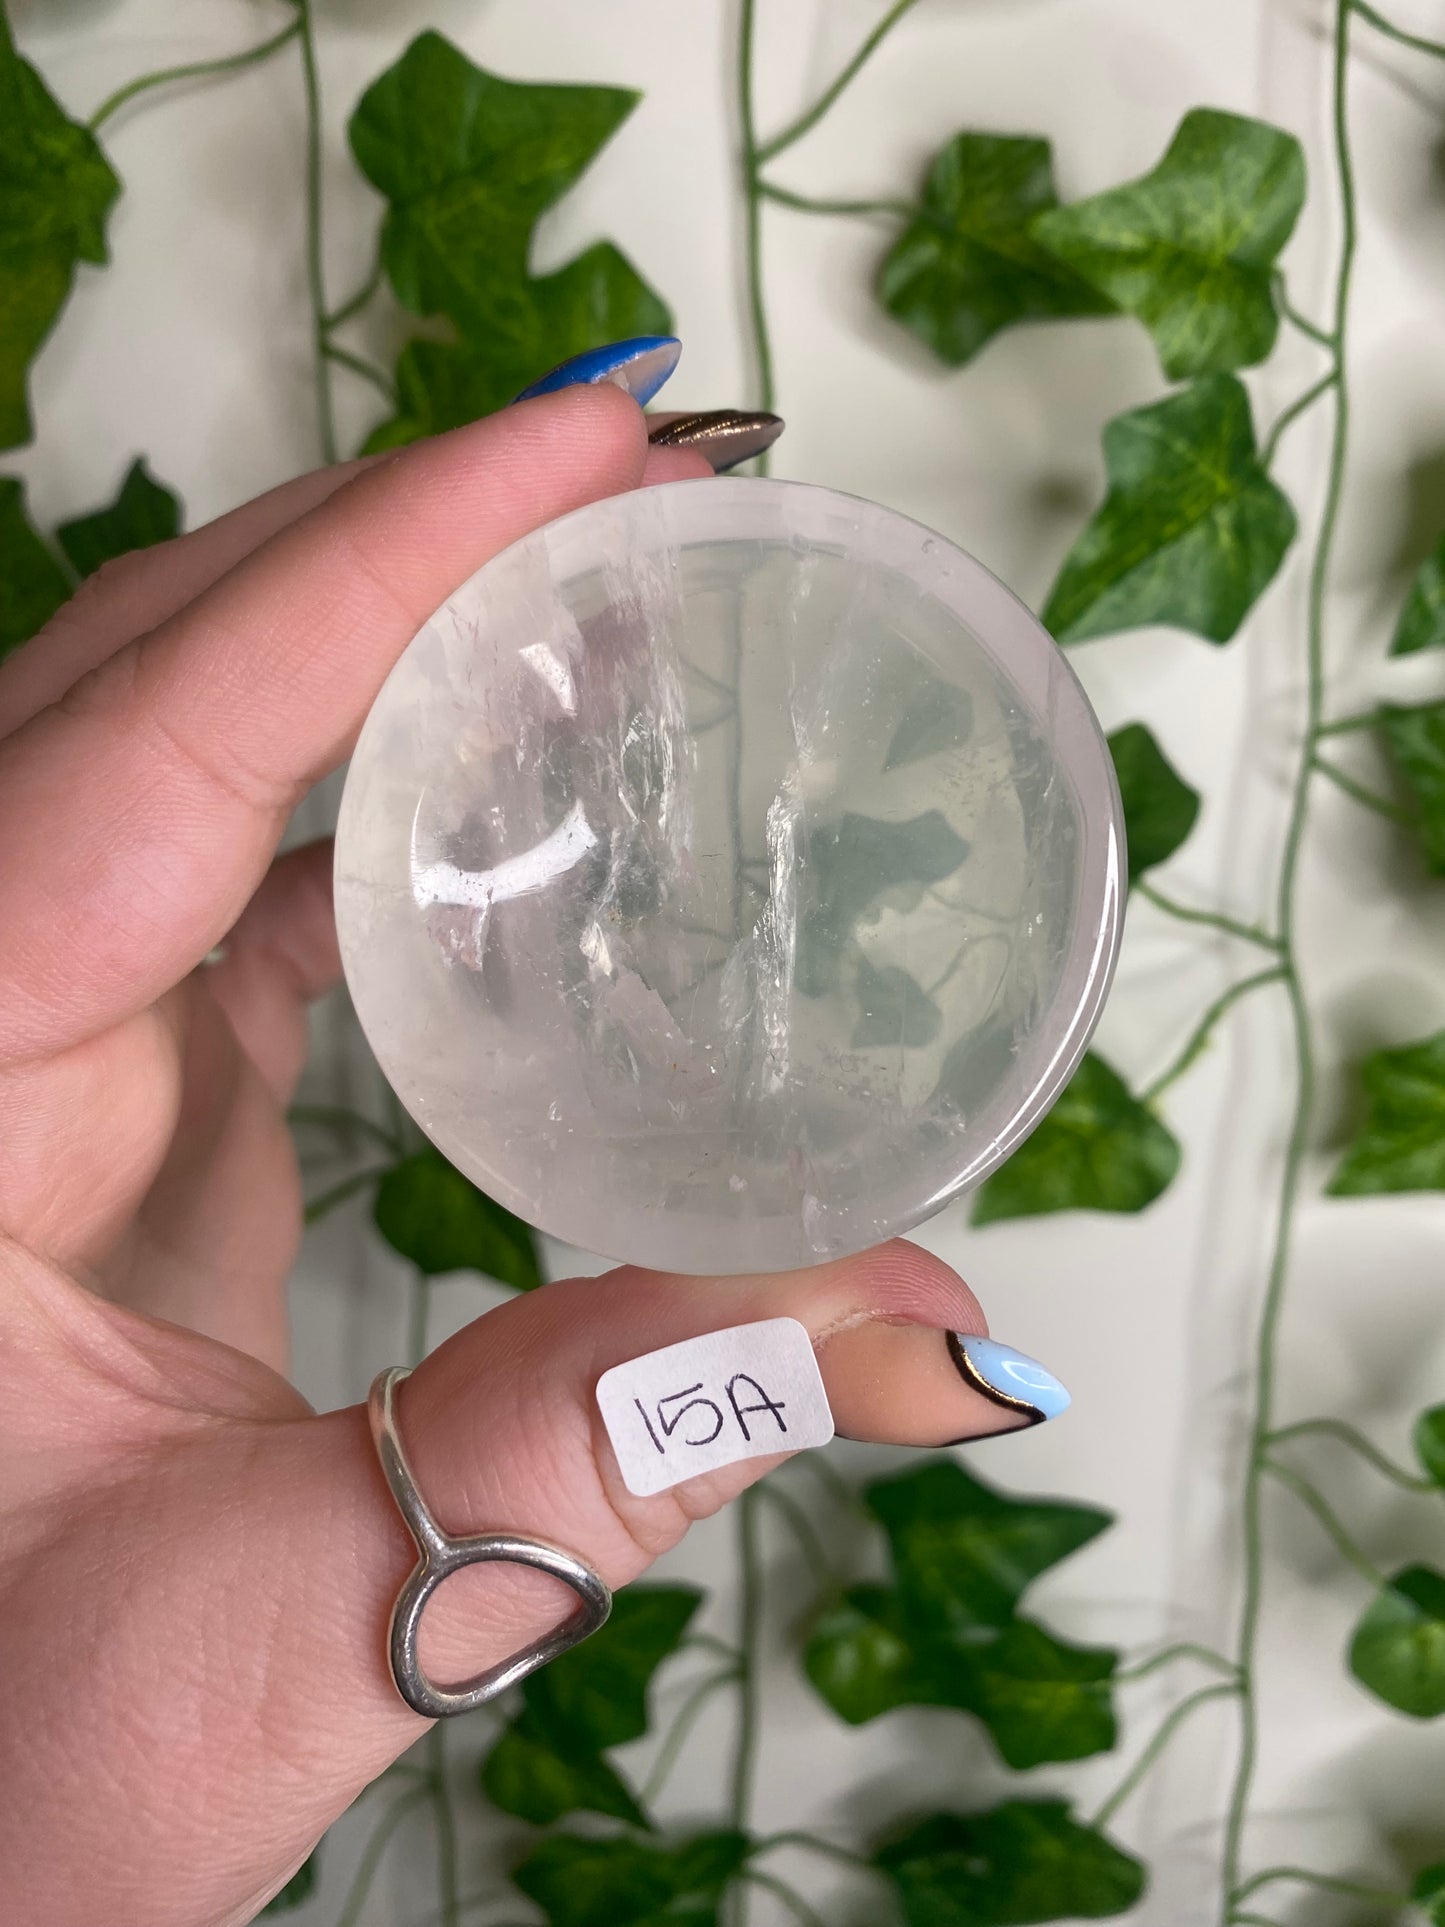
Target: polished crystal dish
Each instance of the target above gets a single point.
(729, 875)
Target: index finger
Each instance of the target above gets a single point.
(139, 590)
(142, 808)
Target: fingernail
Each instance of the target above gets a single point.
(725, 437)
(639, 367)
(1010, 1379)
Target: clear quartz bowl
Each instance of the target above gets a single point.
(729, 875)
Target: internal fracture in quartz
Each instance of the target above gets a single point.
(710, 893)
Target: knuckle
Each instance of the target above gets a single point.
(101, 689)
(117, 576)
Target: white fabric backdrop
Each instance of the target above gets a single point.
(193, 349)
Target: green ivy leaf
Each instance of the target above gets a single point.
(56, 190)
(976, 1062)
(1027, 1860)
(1159, 806)
(1422, 619)
(969, 265)
(549, 1762)
(1191, 531)
(143, 513)
(598, 297)
(32, 583)
(1190, 247)
(860, 1656)
(938, 716)
(964, 1552)
(1429, 1441)
(629, 1882)
(1041, 1698)
(1099, 1149)
(468, 162)
(298, 1888)
(440, 1221)
(1428, 1893)
(946, 1632)
(1401, 1146)
(894, 1010)
(596, 1694)
(849, 866)
(1398, 1650)
(1415, 735)
(528, 1774)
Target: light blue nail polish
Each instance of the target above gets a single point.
(1008, 1377)
(639, 367)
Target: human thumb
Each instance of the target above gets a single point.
(203, 1646)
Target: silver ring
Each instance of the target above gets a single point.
(442, 1555)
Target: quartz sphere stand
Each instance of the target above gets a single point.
(729, 875)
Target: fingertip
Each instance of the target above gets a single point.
(529, 463)
(589, 421)
(675, 465)
(915, 1286)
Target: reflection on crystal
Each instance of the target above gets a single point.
(515, 876)
(714, 889)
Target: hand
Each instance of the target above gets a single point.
(195, 1570)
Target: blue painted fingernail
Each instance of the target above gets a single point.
(639, 367)
(1008, 1378)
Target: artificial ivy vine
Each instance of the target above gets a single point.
(1190, 533)
(1192, 530)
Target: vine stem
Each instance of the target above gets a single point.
(1299, 406)
(1168, 1727)
(1359, 793)
(344, 1122)
(707, 1643)
(368, 371)
(810, 204)
(1311, 1497)
(756, 190)
(1297, 320)
(1336, 1428)
(834, 1484)
(808, 120)
(750, 1579)
(752, 157)
(1215, 919)
(319, 1207)
(437, 1788)
(1346, 725)
(315, 268)
(375, 1847)
(1267, 1336)
(418, 1308)
(683, 1722)
(1204, 1030)
(1435, 48)
(815, 1843)
(790, 1897)
(745, 1754)
(444, 1817)
(192, 70)
(1327, 1883)
(753, 213)
(1183, 1649)
(359, 300)
(805, 1533)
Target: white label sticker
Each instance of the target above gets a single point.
(728, 1395)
